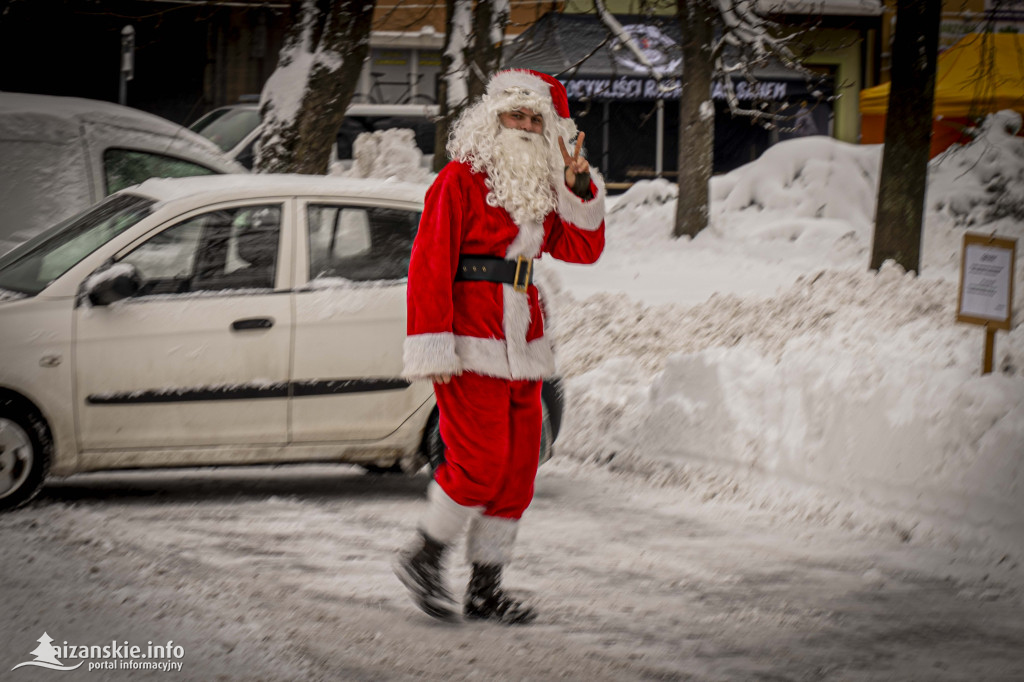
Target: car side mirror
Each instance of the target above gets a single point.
(119, 281)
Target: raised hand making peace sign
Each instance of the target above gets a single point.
(574, 164)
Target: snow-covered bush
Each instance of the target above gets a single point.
(982, 181)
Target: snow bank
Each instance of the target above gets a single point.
(841, 385)
(810, 177)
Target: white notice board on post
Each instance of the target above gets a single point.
(986, 281)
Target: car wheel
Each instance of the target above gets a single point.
(547, 438)
(433, 446)
(24, 453)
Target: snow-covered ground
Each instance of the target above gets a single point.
(283, 574)
(776, 465)
(766, 351)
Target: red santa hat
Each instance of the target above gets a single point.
(514, 81)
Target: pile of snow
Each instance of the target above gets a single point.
(769, 366)
(390, 153)
(815, 184)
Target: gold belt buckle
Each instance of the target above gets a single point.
(526, 279)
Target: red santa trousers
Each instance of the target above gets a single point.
(491, 430)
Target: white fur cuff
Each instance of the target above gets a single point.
(491, 539)
(427, 355)
(586, 215)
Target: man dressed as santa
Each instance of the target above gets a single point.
(476, 325)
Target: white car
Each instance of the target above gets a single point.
(235, 128)
(63, 154)
(213, 321)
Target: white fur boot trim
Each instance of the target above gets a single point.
(445, 519)
(491, 539)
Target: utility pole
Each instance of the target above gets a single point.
(127, 62)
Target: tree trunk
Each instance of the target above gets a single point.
(489, 20)
(696, 118)
(908, 128)
(305, 99)
(472, 53)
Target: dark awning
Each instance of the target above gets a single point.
(580, 51)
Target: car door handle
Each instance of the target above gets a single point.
(252, 323)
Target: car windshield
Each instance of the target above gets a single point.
(206, 119)
(229, 129)
(31, 267)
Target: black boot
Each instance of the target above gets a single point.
(420, 571)
(485, 600)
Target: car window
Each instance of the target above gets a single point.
(360, 243)
(31, 267)
(247, 156)
(126, 167)
(228, 130)
(232, 248)
(207, 119)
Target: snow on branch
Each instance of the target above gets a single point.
(755, 40)
(502, 11)
(460, 34)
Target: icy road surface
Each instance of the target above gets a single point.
(284, 574)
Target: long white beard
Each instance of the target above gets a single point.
(519, 176)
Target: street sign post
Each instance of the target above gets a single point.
(986, 287)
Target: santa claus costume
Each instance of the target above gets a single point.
(475, 315)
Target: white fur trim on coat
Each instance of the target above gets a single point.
(427, 355)
(490, 357)
(522, 359)
(527, 242)
(491, 540)
(445, 519)
(512, 357)
(586, 215)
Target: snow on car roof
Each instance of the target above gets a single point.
(57, 120)
(269, 184)
(49, 118)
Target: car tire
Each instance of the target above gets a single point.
(25, 452)
(433, 446)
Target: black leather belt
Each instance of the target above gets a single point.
(518, 273)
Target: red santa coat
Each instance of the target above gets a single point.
(487, 327)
